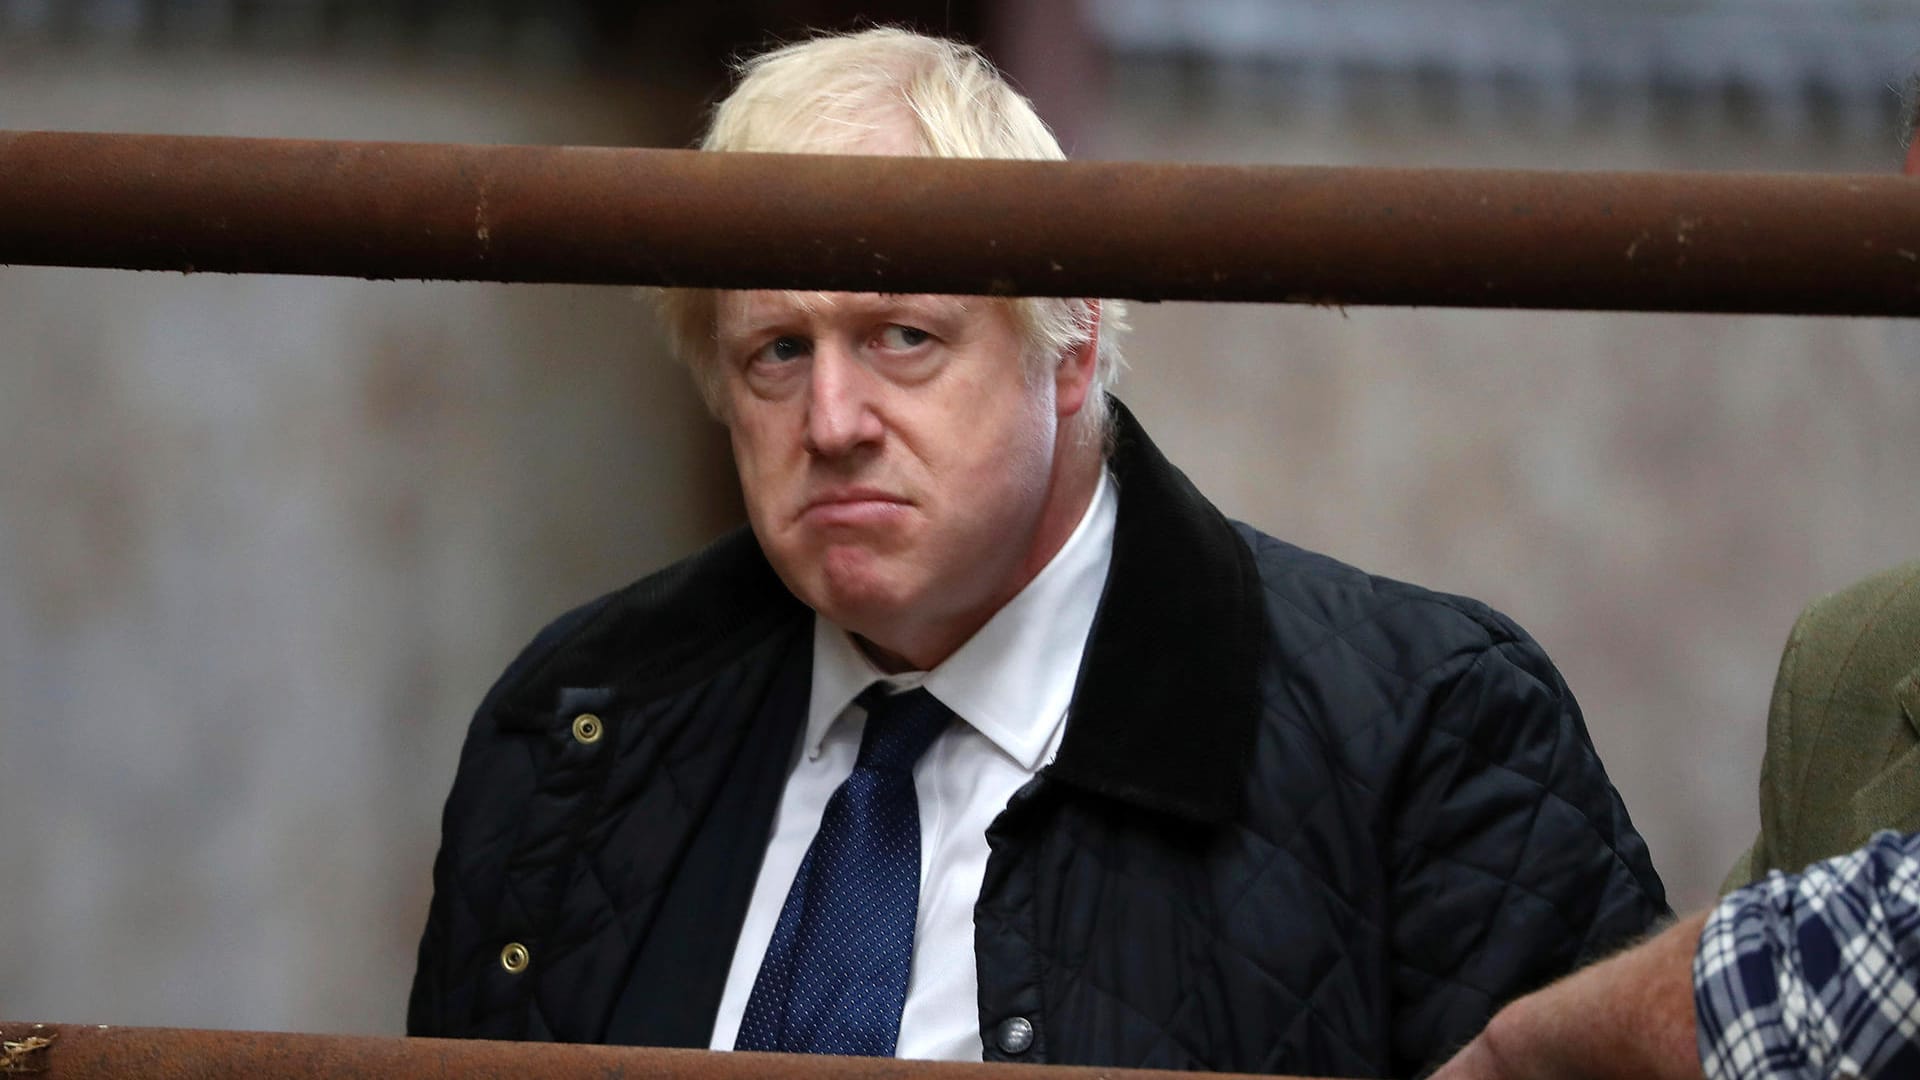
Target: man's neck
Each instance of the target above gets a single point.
(891, 663)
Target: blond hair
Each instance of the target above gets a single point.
(839, 93)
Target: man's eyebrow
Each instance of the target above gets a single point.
(755, 318)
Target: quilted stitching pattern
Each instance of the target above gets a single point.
(1428, 833)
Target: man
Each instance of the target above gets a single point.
(992, 738)
(1843, 732)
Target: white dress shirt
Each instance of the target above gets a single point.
(1010, 685)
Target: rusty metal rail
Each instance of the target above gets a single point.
(1798, 244)
(72, 1051)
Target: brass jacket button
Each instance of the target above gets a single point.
(587, 728)
(515, 958)
(1014, 1035)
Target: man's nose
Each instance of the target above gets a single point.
(841, 414)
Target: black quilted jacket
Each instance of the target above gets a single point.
(1302, 820)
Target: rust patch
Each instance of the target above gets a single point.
(26, 1055)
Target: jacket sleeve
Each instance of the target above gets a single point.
(449, 951)
(1512, 858)
(426, 1012)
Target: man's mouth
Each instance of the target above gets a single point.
(853, 507)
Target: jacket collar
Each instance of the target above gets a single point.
(1164, 713)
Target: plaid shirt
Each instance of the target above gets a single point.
(1816, 975)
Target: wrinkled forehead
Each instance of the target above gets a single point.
(743, 311)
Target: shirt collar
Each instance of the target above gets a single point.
(1011, 681)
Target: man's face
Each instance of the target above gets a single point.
(895, 457)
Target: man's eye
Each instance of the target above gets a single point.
(902, 338)
(783, 349)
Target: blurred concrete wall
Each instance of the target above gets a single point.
(264, 542)
(1654, 497)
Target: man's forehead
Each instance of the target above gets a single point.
(747, 307)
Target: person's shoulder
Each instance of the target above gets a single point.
(1882, 609)
(1314, 599)
(670, 626)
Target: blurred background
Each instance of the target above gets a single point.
(264, 542)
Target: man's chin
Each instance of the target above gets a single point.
(865, 607)
(860, 592)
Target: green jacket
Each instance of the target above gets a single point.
(1843, 735)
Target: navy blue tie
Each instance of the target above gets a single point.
(835, 974)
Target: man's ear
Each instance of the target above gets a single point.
(1073, 376)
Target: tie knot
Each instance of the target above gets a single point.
(900, 727)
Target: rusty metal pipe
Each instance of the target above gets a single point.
(75, 1051)
(1797, 244)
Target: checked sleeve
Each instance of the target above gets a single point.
(1816, 974)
